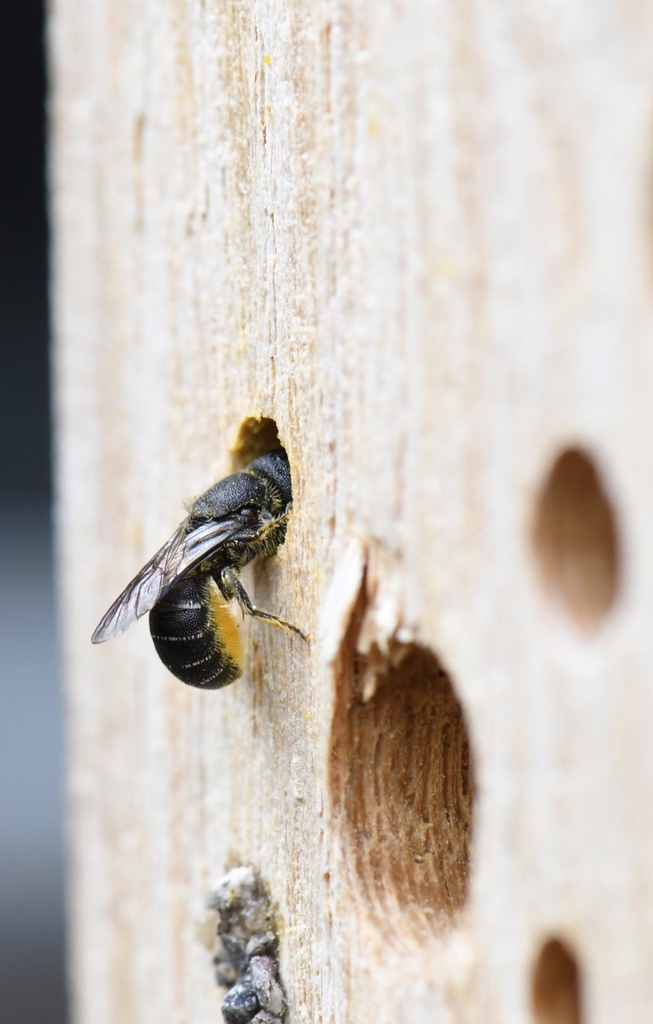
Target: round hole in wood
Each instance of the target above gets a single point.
(402, 784)
(576, 540)
(256, 436)
(556, 996)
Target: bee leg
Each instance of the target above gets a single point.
(232, 588)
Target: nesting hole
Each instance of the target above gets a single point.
(575, 539)
(402, 782)
(256, 436)
(556, 995)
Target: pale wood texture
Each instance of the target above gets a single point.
(417, 236)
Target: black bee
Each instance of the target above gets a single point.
(188, 584)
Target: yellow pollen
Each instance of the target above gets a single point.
(226, 626)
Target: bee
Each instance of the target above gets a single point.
(188, 585)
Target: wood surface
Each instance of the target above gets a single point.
(418, 238)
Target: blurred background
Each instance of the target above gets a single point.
(32, 984)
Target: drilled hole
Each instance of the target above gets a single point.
(575, 539)
(402, 782)
(256, 436)
(556, 986)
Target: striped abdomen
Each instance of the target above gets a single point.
(195, 635)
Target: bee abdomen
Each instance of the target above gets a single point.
(195, 635)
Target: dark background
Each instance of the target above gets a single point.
(32, 985)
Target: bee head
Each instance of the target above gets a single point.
(274, 467)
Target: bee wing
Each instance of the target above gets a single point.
(180, 554)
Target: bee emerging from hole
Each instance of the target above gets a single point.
(188, 584)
